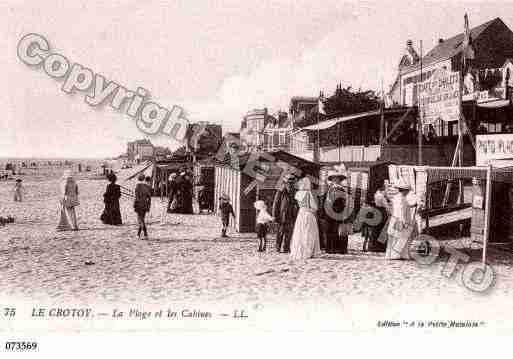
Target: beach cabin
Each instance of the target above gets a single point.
(251, 176)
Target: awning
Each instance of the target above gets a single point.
(494, 104)
(334, 121)
(438, 174)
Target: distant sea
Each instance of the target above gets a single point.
(51, 167)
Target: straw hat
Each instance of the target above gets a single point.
(402, 184)
(260, 205)
(171, 176)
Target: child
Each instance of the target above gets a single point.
(18, 190)
(225, 209)
(263, 217)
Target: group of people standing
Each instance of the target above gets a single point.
(180, 193)
(309, 223)
(305, 226)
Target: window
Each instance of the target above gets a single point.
(442, 128)
(282, 138)
(493, 127)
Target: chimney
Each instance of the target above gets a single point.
(440, 41)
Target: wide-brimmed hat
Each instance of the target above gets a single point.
(289, 177)
(260, 205)
(336, 176)
(171, 176)
(18, 180)
(401, 184)
(224, 196)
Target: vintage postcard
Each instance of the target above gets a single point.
(172, 167)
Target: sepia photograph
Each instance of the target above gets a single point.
(171, 167)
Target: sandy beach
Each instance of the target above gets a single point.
(186, 261)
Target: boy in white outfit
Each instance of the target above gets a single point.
(263, 218)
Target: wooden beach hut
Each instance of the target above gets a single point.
(163, 168)
(487, 206)
(251, 176)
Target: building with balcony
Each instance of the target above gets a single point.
(492, 43)
(252, 128)
(277, 132)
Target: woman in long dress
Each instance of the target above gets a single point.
(68, 202)
(402, 225)
(112, 214)
(305, 237)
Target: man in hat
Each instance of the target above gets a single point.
(334, 215)
(285, 212)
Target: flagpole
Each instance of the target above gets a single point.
(382, 119)
(460, 117)
(318, 135)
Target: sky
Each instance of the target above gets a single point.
(216, 59)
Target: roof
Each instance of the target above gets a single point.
(323, 125)
(256, 112)
(233, 134)
(269, 156)
(359, 164)
(304, 99)
(144, 141)
(450, 47)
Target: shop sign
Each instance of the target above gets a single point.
(493, 147)
(439, 97)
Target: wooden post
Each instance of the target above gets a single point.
(397, 124)
(460, 136)
(419, 135)
(382, 123)
(488, 201)
(339, 143)
(453, 164)
(318, 140)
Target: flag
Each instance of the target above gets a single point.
(468, 50)
(321, 104)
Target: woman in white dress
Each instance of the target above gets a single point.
(69, 200)
(305, 237)
(402, 226)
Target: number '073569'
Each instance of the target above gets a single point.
(20, 346)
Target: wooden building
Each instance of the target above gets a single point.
(251, 176)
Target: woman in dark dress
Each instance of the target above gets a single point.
(111, 214)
